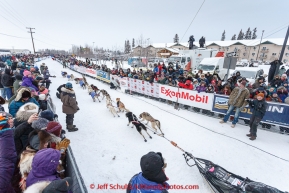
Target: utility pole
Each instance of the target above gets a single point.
(282, 53)
(259, 46)
(31, 32)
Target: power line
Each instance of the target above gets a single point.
(255, 41)
(193, 19)
(11, 22)
(47, 43)
(10, 12)
(16, 13)
(13, 36)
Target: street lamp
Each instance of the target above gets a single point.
(93, 48)
(147, 52)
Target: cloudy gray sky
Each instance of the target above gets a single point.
(108, 23)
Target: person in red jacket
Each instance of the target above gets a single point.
(187, 85)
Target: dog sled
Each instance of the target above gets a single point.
(222, 181)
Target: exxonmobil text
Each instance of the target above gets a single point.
(184, 95)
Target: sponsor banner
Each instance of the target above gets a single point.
(276, 113)
(103, 76)
(123, 82)
(187, 97)
(90, 72)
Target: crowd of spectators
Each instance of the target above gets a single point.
(173, 75)
(32, 142)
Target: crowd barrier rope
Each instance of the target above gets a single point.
(276, 114)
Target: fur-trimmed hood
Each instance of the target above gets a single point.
(20, 92)
(37, 187)
(25, 111)
(69, 91)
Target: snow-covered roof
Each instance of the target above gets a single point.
(277, 41)
(171, 50)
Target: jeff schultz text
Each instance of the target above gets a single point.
(146, 187)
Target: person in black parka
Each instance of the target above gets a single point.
(259, 106)
(274, 65)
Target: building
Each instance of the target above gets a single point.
(269, 49)
(152, 50)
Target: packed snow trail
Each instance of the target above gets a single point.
(101, 137)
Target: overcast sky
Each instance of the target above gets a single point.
(108, 23)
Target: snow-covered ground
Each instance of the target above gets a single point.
(101, 137)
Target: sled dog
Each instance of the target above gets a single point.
(154, 122)
(120, 105)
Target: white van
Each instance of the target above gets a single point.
(212, 65)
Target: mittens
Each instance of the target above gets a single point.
(62, 145)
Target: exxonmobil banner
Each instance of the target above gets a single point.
(187, 97)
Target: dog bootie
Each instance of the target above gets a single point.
(71, 128)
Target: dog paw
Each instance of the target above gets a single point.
(150, 137)
(154, 132)
(145, 140)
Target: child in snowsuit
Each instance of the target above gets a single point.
(259, 106)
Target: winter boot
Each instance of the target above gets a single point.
(222, 121)
(249, 135)
(252, 138)
(233, 125)
(71, 128)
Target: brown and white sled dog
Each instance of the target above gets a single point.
(104, 94)
(120, 105)
(111, 107)
(154, 122)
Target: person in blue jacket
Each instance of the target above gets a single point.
(22, 97)
(152, 179)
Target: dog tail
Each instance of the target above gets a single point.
(158, 123)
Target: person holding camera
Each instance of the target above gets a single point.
(259, 106)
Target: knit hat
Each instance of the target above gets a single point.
(261, 88)
(261, 95)
(47, 114)
(68, 85)
(18, 77)
(54, 128)
(26, 73)
(152, 167)
(41, 97)
(2, 101)
(4, 121)
(40, 123)
(29, 107)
